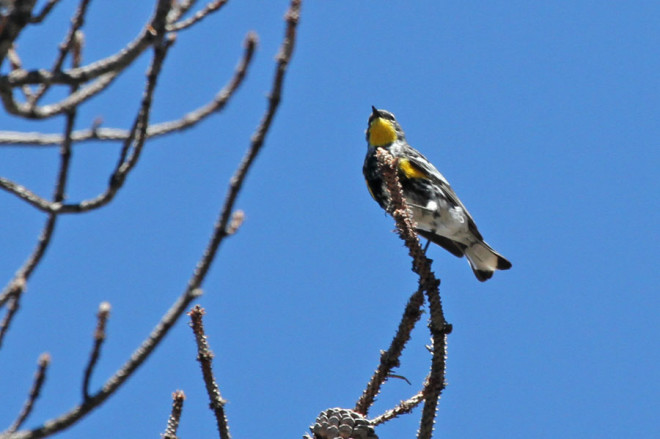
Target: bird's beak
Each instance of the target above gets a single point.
(375, 112)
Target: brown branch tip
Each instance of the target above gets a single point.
(39, 378)
(99, 337)
(178, 397)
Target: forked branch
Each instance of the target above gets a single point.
(438, 325)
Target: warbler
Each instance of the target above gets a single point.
(439, 215)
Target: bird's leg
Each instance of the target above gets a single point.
(428, 242)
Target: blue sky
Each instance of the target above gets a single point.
(542, 115)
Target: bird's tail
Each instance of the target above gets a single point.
(484, 260)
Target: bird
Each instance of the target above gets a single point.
(439, 214)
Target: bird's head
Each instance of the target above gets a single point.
(383, 129)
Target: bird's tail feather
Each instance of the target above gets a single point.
(484, 260)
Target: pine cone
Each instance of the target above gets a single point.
(341, 424)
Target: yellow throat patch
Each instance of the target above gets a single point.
(381, 132)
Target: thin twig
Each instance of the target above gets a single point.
(137, 133)
(12, 305)
(179, 9)
(210, 7)
(133, 144)
(39, 378)
(36, 19)
(27, 195)
(187, 121)
(136, 140)
(64, 48)
(390, 358)
(236, 183)
(399, 377)
(114, 63)
(205, 358)
(113, 383)
(16, 64)
(178, 398)
(16, 286)
(99, 338)
(403, 407)
(29, 111)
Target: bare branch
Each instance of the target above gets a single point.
(199, 15)
(402, 408)
(435, 383)
(178, 398)
(35, 19)
(27, 195)
(390, 358)
(205, 358)
(17, 285)
(134, 143)
(428, 282)
(39, 378)
(57, 207)
(12, 307)
(220, 99)
(13, 25)
(64, 48)
(114, 63)
(99, 337)
(187, 121)
(72, 100)
(192, 291)
(283, 58)
(179, 9)
(113, 383)
(16, 64)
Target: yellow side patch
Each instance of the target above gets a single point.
(381, 132)
(410, 170)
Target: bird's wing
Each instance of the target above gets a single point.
(423, 166)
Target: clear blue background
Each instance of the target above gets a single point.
(543, 116)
